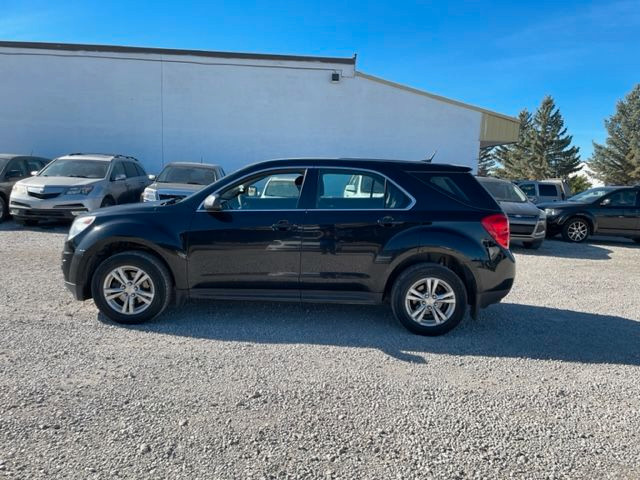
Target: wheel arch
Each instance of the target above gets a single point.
(446, 259)
(590, 219)
(110, 248)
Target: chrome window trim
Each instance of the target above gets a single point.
(308, 167)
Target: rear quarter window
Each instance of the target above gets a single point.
(460, 186)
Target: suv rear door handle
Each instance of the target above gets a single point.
(388, 221)
(284, 226)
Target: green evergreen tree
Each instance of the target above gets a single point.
(514, 158)
(551, 152)
(618, 160)
(486, 162)
(579, 183)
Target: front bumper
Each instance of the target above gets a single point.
(71, 270)
(63, 207)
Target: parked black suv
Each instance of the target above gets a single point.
(428, 238)
(602, 210)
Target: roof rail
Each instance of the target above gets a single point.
(114, 155)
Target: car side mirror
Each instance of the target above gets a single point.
(13, 174)
(212, 203)
(605, 202)
(120, 176)
(152, 178)
(34, 173)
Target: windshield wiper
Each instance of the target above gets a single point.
(77, 176)
(171, 201)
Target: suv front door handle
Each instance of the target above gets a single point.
(388, 221)
(284, 226)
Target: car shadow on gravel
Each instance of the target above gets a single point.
(503, 330)
(48, 226)
(555, 248)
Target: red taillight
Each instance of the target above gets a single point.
(498, 227)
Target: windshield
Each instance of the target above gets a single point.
(504, 191)
(76, 168)
(188, 175)
(590, 195)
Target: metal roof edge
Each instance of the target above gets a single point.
(77, 47)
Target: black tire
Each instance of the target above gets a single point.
(535, 245)
(414, 274)
(637, 239)
(107, 202)
(4, 210)
(149, 264)
(575, 223)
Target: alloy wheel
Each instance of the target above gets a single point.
(430, 301)
(578, 231)
(128, 290)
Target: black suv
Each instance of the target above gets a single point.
(602, 210)
(428, 238)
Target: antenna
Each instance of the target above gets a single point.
(430, 159)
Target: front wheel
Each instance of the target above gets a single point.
(575, 230)
(131, 287)
(107, 202)
(429, 299)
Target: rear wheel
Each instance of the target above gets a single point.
(532, 245)
(576, 230)
(131, 287)
(429, 299)
(4, 211)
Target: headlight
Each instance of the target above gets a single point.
(551, 211)
(17, 188)
(85, 190)
(149, 195)
(80, 224)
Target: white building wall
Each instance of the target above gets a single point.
(227, 111)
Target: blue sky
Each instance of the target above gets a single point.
(500, 55)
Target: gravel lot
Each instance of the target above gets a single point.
(544, 385)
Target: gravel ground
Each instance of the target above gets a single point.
(544, 385)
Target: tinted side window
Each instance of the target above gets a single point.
(130, 170)
(267, 191)
(34, 164)
(529, 189)
(140, 170)
(547, 190)
(624, 198)
(118, 169)
(354, 190)
(461, 186)
(17, 166)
